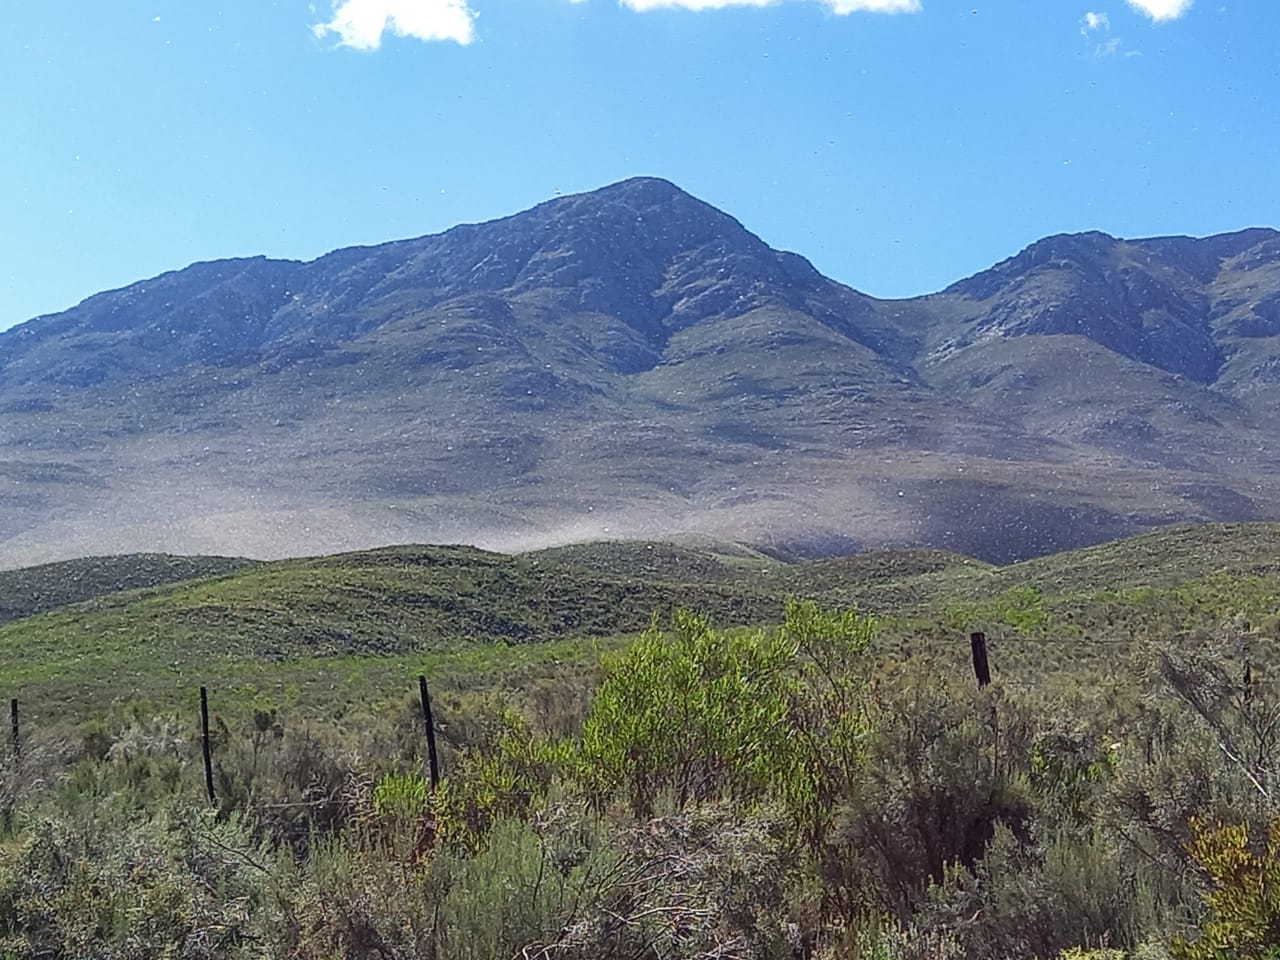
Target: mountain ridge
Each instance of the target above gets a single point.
(633, 361)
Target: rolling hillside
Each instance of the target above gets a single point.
(351, 627)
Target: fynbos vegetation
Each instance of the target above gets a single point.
(832, 786)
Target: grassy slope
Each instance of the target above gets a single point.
(1165, 558)
(337, 631)
(352, 617)
(33, 590)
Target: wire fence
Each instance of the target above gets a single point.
(1252, 682)
(16, 738)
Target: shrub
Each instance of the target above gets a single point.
(1243, 919)
(401, 797)
(177, 883)
(699, 713)
(746, 715)
(946, 764)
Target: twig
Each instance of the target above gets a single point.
(1244, 767)
(239, 853)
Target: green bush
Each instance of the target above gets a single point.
(174, 883)
(1243, 902)
(401, 797)
(747, 715)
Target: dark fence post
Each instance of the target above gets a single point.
(981, 668)
(432, 758)
(1248, 685)
(208, 748)
(15, 740)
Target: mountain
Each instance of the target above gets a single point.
(634, 362)
(1156, 351)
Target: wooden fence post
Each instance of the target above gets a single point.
(981, 668)
(208, 748)
(432, 757)
(15, 740)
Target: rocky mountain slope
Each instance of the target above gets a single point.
(633, 362)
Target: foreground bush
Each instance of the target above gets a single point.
(1243, 918)
(762, 795)
(175, 883)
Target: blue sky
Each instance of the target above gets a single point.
(899, 144)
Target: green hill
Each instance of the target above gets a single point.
(33, 590)
(343, 629)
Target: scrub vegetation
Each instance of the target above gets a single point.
(658, 751)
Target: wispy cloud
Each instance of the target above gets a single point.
(1096, 28)
(1094, 22)
(643, 5)
(361, 24)
(873, 6)
(1162, 9)
(835, 6)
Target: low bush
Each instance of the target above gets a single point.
(750, 794)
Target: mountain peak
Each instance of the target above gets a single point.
(641, 251)
(658, 203)
(647, 189)
(1144, 300)
(1057, 249)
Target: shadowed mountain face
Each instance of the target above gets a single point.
(633, 362)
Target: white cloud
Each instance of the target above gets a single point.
(835, 6)
(360, 24)
(1093, 22)
(1162, 9)
(643, 5)
(873, 6)
(1096, 28)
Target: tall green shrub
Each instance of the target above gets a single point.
(742, 714)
